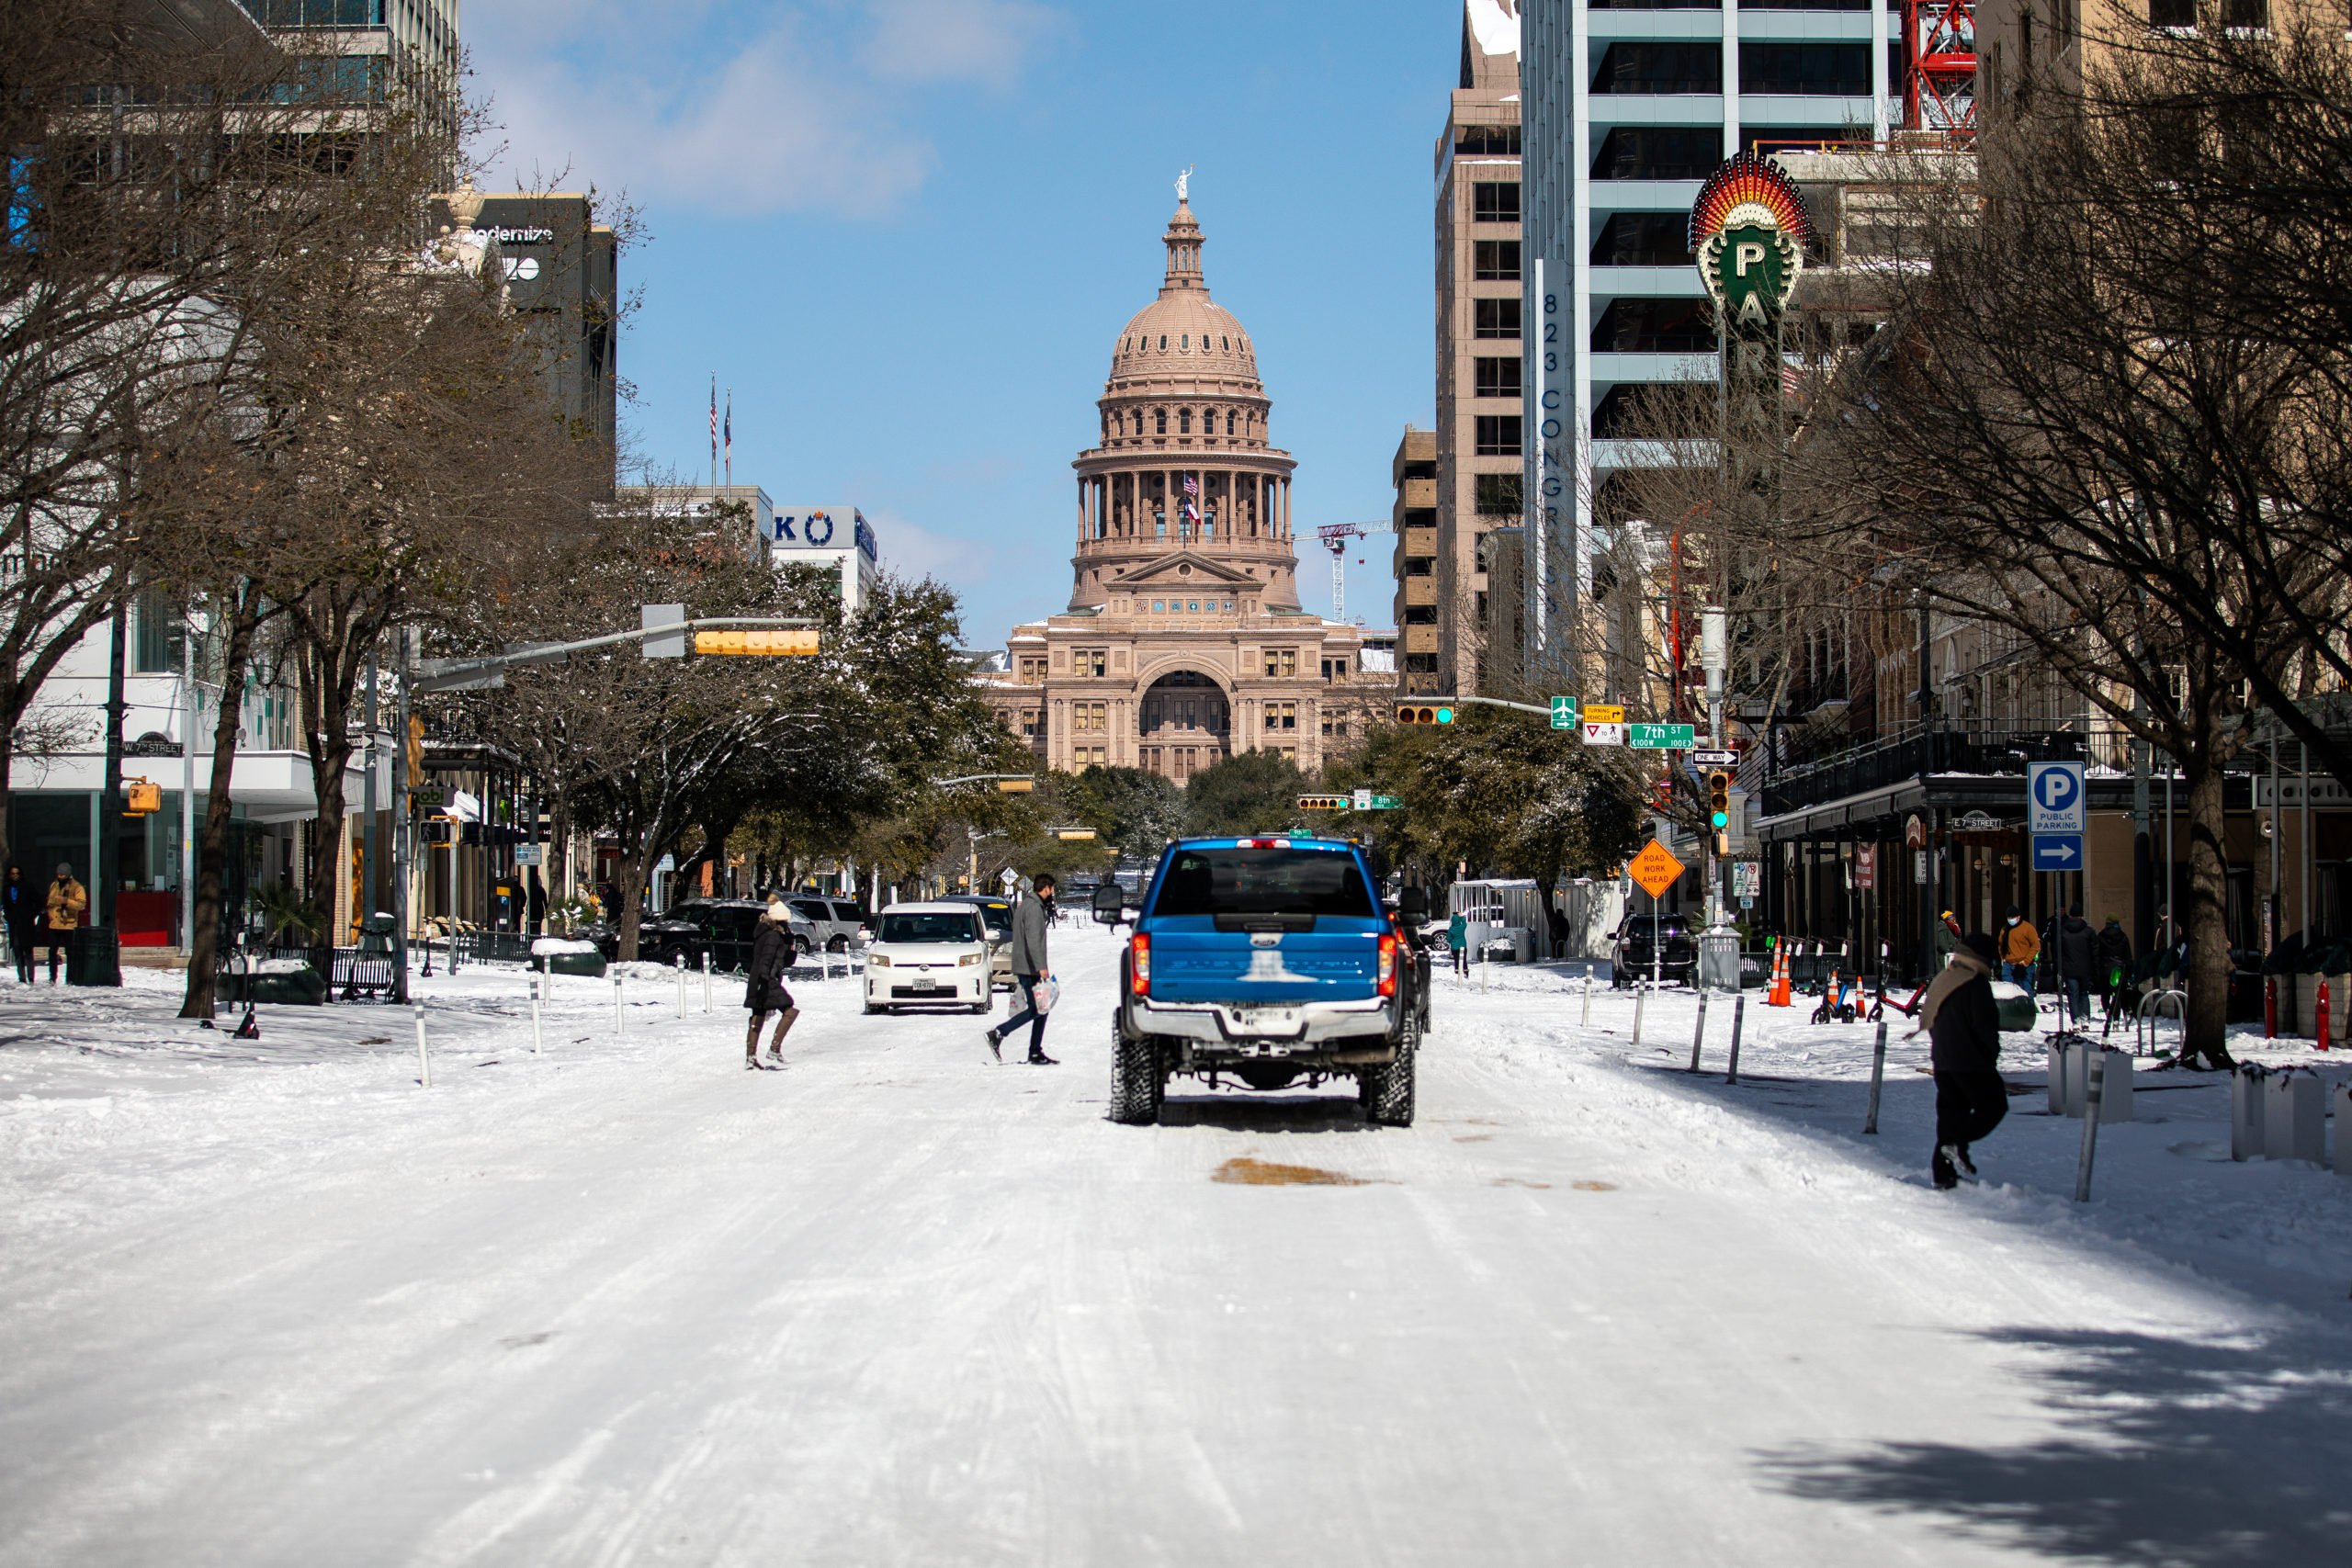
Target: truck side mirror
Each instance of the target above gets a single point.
(1110, 904)
(1413, 903)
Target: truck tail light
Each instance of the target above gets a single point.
(1387, 966)
(1139, 965)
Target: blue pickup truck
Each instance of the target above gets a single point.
(1263, 961)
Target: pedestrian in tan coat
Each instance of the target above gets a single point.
(68, 900)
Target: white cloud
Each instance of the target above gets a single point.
(956, 40)
(812, 107)
(918, 552)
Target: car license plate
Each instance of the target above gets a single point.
(925, 983)
(1266, 1021)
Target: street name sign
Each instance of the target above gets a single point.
(1604, 734)
(530, 854)
(2053, 797)
(2057, 852)
(1655, 868)
(1662, 737)
(1367, 801)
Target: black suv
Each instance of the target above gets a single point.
(1630, 949)
(724, 928)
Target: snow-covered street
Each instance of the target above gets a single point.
(274, 1302)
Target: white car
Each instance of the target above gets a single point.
(926, 955)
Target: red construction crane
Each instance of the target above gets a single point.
(1940, 67)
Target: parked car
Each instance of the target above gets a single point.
(837, 921)
(1629, 951)
(928, 955)
(1263, 961)
(724, 928)
(998, 913)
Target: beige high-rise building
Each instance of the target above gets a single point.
(1184, 641)
(1444, 617)
(1413, 519)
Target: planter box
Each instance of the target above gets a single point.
(300, 986)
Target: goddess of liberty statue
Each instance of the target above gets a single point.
(1184, 180)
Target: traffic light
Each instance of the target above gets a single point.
(1324, 803)
(139, 797)
(1421, 713)
(756, 642)
(438, 831)
(1074, 833)
(1009, 786)
(1719, 808)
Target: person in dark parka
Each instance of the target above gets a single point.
(764, 992)
(1963, 1025)
(22, 910)
(2077, 947)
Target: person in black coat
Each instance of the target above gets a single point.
(2115, 967)
(1963, 1024)
(764, 992)
(20, 909)
(2077, 947)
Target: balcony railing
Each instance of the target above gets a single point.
(1955, 748)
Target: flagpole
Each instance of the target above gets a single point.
(731, 436)
(714, 430)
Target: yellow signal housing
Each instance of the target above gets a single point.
(1015, 786)
(1425, 713)
(1324, 803)
(1074, 833)
(139, 797)
(801, 641)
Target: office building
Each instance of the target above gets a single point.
(1626, 110)
(1413, 521)
(1443, 616)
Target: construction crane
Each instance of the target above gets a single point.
(1940, 67)
(1334, 537)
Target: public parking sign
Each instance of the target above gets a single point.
(2053, 797)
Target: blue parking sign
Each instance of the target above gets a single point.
(2057, 852)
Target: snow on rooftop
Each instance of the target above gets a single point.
(1493, 25)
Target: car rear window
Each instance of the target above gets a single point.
(930, 926)
(1264, 882)
(813, 908)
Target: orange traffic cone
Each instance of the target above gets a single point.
(1778, 996)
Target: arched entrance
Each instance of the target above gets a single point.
(1183, 724)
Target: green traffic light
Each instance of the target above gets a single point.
(1722, 819)
(1445, 716)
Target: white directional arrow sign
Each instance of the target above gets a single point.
(2057, 852)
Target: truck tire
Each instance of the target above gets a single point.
(1134, 1079)
(1386, 1092)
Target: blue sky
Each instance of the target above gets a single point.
(906, 232)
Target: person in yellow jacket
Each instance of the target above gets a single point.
(2020, 947)
(68, 900)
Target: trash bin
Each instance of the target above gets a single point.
(1719, 959)
(93, 956)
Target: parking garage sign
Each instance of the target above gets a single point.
(2055, 798)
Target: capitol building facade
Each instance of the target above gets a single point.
(1184, 641)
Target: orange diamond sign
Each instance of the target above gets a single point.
(1655, 868)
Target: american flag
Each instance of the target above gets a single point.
(729, 428)
(1192, 485)
(714, 429)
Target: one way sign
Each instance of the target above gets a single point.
(2057, 852)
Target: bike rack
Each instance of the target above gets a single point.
(2144, 1031)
